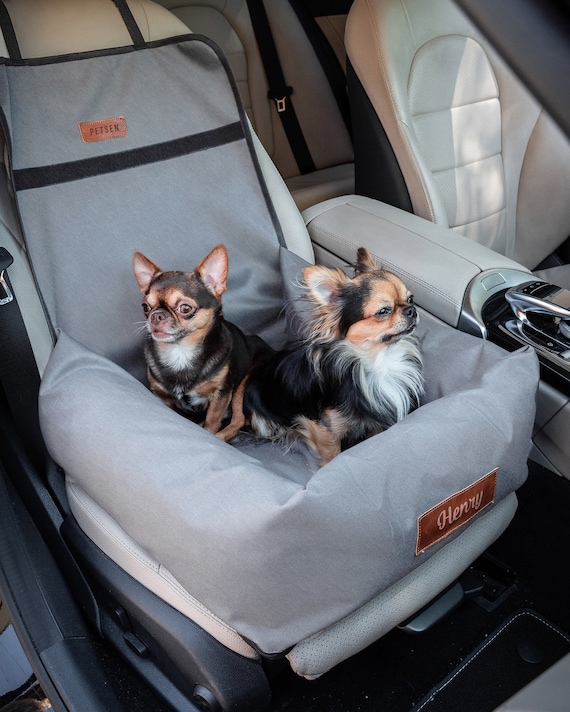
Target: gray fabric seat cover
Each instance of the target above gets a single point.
(274, 546)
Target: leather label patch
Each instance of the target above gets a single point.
(103, 129)
(453, 512)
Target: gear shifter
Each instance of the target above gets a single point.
(540, 298)
(542, 313)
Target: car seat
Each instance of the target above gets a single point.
(443, 128)
(316, 98)
(207, 560)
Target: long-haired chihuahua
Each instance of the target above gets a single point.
(357, 371)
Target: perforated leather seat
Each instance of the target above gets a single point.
(442, 117)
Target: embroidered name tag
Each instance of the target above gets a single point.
(103, 129)
(453, 512)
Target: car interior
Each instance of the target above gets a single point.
(145, 563)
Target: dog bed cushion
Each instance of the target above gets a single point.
(276, 547)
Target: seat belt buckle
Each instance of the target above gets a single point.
(280, 99)
(281, 104)
(6, 260)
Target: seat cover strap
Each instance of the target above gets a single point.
(12, 41)
(9, 35)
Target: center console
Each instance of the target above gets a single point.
(513, 309)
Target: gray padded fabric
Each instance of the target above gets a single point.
(278, 559)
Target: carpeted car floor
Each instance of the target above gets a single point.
(524, 646)
(523, 608)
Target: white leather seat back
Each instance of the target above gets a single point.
(45, 29)
(456, 114)
(471, 142)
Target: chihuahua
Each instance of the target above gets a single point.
(357, 371)
(197, 362)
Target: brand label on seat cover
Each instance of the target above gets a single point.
(103, 129)
(453, 512)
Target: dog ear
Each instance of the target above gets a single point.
(144, 270)
(324, 283)
(365, 262)
(214, 270)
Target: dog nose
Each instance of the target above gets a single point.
(410, 312)
(157, 316)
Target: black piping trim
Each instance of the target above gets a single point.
(42, 176)
(107, 51)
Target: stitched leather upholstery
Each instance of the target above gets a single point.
(476, 152)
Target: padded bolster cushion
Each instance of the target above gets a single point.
(275, 559)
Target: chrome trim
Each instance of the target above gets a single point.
(481, 289)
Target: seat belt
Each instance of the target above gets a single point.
(279, 91)
(330, 63)
(19, 374)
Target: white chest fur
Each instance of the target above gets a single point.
(393, 376)
(177, 357)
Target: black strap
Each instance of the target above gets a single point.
(42, 176)
(11, 40)
(9, 35)
(279, 91)
(19, 375)
(336, 75)
(130, 22)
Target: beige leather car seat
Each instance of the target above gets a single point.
(229, 25)
(476, 151)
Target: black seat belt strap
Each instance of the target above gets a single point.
(19, 375)
(334, 72)
(279, 91)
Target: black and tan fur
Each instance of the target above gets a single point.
(357, 371)
(197, 362)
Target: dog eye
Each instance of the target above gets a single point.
(411, 299)
(186, 309)
(146, 308)
(385, 311)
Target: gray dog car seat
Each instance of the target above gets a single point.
(266, 552)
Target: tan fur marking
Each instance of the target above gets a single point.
(158, 390)
(237, 421)
(217, 402)
(172, 297)
(324, 436)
